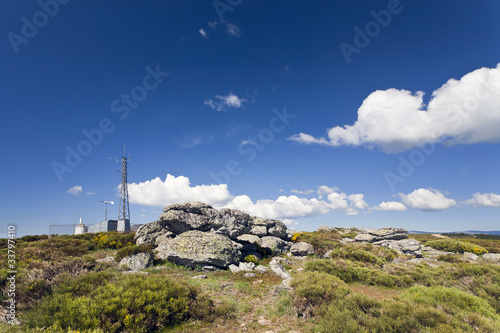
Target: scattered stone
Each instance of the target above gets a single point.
(257, 282)
(208, 268)
(107, 259)
(286, 284)
(136, 262)
(348, 240)
(279, 270)
(495, 257)
(302, 249)
(470, 256)
(135, 272)
(328, 254)
(261, 269)
(249, 275)
(234, 268)
(264, 322)
(195, 247)
(246, 266)
(202, 276)
(324, 228)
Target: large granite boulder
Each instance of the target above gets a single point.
(407, 246)
(495, 257)
(274, 244)
(152, 233)
(301, 249)
(138, 261)
(180, 218)
(195, 247)
(231, 223)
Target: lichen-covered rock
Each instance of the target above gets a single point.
(259, 226)
(180, 218)
(277, 228)
(138, 261)
(246, 266)
(195, 247)
(407, 246)
(261, 269)
(301, 249)
(247, 238)
(365, 238)
(382, 234)
(231, 222)
(151, 232)
(495, 257)
(470, 256)
(275, 245)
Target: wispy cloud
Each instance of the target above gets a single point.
(89, 193)
(199, 139)
(75, 190)
(203, 33)
(232, 29)
(302, 192)
(222, 103)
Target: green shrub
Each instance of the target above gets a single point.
(132, 302)
(312, 290)
(131, 250)
(322, 241)
(252, 258)
(452, 245)
(366, 253)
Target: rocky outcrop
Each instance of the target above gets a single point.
(383, 234)
(195, 247)
(240, 235)
(301, 249)
(393, 238)
(138, 261)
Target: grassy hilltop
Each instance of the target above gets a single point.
(74, 284)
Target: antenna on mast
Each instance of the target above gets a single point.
(123, 210)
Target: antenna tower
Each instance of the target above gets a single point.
(123, 211)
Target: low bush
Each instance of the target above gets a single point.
(113, 240)
(322, 241)
(311, 290)
(252, 258)
(133, 302)
(366, 253)
(453, 245)
(131, 250)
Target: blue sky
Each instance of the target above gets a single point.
(366, 113)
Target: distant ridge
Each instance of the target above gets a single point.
(456, 232)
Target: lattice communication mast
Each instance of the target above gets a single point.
(123, 210)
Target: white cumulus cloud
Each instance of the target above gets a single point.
(427, 200)
(203, 33)
(176, 190)
(222, 103)
(75, 190)
(391, 206)
(284, 207)
(484, 200)
(464, 111)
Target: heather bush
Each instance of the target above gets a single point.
(131, 250)
(252, 258)
(133, 302)
(453, 245)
